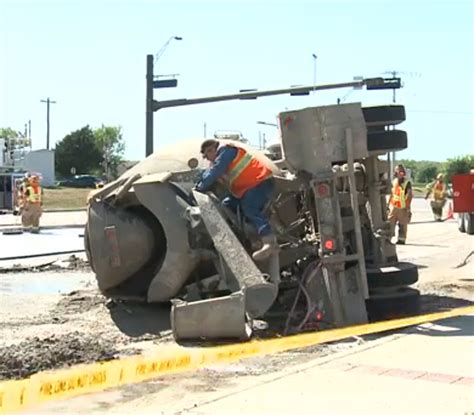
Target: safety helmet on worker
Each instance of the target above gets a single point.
(440, 176)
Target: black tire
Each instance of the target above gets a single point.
(460, 220)
(395, 304)
(385, 141)
(469, 223)
(385, 115)
(404, 273)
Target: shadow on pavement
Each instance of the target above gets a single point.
(136, 319)
(455, 326)
(421, 222)
(410, 306)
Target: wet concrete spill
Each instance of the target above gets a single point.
(48, 240)
(37, 354)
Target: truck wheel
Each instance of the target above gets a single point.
(393, 304)
(403, 273)
(384, 115)
(460, 220)
(469, 223)
(385, 141)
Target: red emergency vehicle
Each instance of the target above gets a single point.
(463, 201)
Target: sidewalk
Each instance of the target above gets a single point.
(430, 370)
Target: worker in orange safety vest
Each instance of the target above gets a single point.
(32, 205)
(250, 183)
(400, 204)
(439, 193)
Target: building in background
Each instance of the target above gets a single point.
(16, 159)
(42, 162)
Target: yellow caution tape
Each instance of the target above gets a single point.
(82, 379)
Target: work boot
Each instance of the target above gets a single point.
(35, 230)
(270, 245)
(400, 242)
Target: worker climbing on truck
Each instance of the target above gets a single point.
(250, 183)
(399, 204)
(439, 193)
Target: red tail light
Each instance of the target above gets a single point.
(329, 245)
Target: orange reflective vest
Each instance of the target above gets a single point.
(399, 197)
(33, 195)
(439, 191)
(244, 172)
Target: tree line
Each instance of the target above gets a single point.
(100, 151)
(85, 151)
(425, 171)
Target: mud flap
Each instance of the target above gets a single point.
(215, 318)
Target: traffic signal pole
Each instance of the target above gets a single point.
(153, 106)
(149, 105)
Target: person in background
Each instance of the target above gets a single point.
(250, 183)
(32, 205)
(21, 191)
(439, 193)
(400, 204)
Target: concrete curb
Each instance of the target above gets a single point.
(81, 379)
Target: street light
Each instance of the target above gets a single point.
(262, 141)
(163, 48)
(150, 84)
(271, 124)
(314, 70)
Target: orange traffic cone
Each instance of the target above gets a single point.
(450, 212)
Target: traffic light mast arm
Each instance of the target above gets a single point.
(369, 83)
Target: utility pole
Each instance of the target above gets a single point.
(48, 102)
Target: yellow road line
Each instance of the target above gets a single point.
(82, 379)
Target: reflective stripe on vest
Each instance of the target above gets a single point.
(439, 191)
(34, 194)
(239, 166)
(245, 172)
(398, 198)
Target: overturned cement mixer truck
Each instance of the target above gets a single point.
(150, 236)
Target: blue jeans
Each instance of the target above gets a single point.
(252, 204)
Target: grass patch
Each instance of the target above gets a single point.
(65, 198)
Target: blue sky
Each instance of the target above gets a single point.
(90, 57)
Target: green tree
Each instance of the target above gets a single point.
(110, 143)
(423, 171)
(426, 173)
(79, 150)
(8, 133)
(459, 165)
